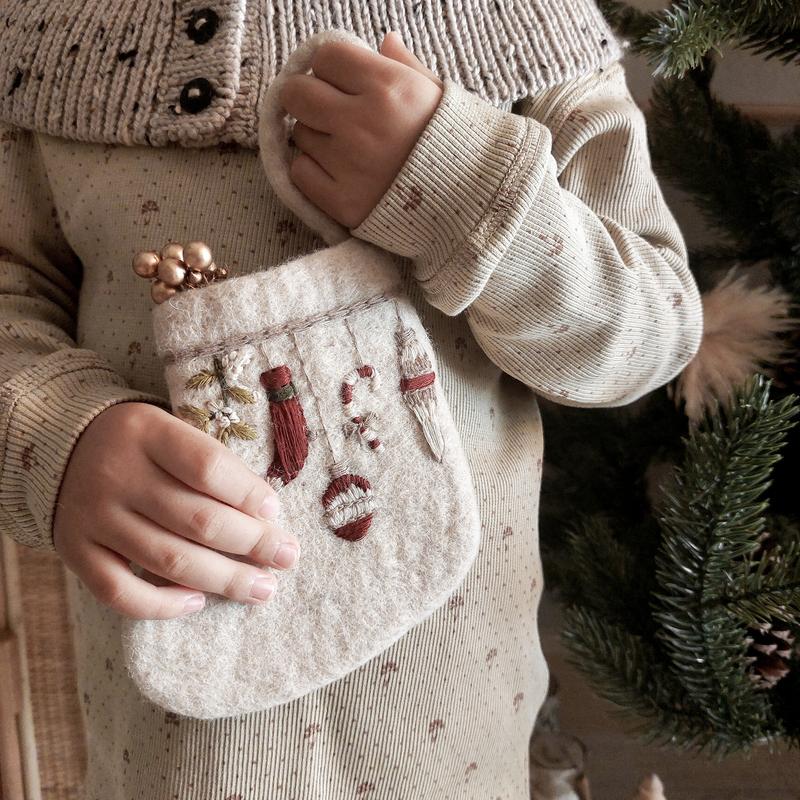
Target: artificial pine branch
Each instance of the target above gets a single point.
(784, 45)
(629, 672)
(690, 673)
(770, 27)
(685, 33)
(785, 166)
(677, 39)
(723, 159)
(607, 576)
(693, 661)
(746, 184)
(712, 528)
(629, 23)
(769, 590)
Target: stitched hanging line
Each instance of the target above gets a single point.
(418, 386)
(348, 500)
(289, 328)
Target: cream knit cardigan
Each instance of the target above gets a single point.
(157, 71)
(542, 259)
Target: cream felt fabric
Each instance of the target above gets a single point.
(338, 320)
(345, 602)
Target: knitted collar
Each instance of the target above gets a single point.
(192, 71)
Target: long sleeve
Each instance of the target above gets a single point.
(51, 389)
(548, 230)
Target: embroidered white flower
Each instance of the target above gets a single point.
(223, 415)
(233, 363)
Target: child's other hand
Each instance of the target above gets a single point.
(358, 118)
(144, 487)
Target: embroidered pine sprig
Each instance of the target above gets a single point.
(199, 417)
(202, 380)
(228, 422)
(239, 430)
(240, 395)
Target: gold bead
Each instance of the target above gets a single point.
(161, 292)
(145, 265)
(172, 250)
(197, 255)
(210, 270)
(221, 273)
(171, 271)
(193, 277)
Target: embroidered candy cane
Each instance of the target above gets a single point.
(288, 425)
(358, 425)
(349, 505)
(418, 386)
(348, 502)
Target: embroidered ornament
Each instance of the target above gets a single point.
(288, 426)
(349, 505)
(357, 424)
(178, 267)
(418, 386)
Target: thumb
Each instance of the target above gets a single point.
(393, 47)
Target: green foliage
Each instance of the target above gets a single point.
(660, 602)
(687, 669)
(596, 469)
(678, 38)
(628, 671)
(745, 183)
(627, 21)
(609, 571)
(713, 526)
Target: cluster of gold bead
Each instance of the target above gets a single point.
(178, 267)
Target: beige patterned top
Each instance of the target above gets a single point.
(542, 259)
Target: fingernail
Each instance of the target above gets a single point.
(194, 603)
(269, 508)
(286, 556)
(263, 588)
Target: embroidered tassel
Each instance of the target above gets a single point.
(349, 505)
(288, 425)
(418, 386)
(358, 425)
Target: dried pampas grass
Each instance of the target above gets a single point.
(739, 339)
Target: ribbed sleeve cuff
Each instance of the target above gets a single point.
(44, 410)
(458, 195)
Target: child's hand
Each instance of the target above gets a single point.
(358, 117)
(144, 487)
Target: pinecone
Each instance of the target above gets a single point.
(770, 648)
